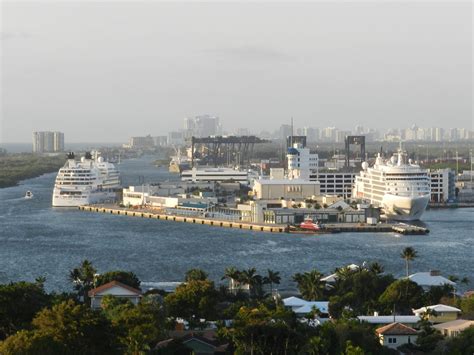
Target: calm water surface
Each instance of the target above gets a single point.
(36, 239)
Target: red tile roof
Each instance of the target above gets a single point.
(111, 284)
(396, 329)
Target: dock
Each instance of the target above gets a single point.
(399, 228)
(274, 228)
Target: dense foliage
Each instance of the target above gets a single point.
(17, 167)
(19, 302)
(250, 319)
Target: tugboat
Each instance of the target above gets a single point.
(28, 195)
(308, 224)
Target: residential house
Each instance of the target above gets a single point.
(409, 320)
(236, 286)
(198, 343)
(439, 313)
(331, 279)
(396, 334)
(430, 279)
(116, 289)
(453, 328)
(302, 307)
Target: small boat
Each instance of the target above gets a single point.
(29, 195)
(308, 224)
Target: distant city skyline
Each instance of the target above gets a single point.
(106, 71)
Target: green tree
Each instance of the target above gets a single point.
(75, 328)
(360, 335)
(408, 254)
(402, 294)
(273, 277)
(125, 277)
(467, 307)
(26, 342)
(83, 278)
(353, 350)
(231, 273)
(262, 330)
(310, 285)
(195, 298)
(254, 280)
(358, 290)
(463, 344)
(436, 293)
(376, 268)
(139, 327)
(195, 275)
(428, 337)
(339, 305)
(19, 302)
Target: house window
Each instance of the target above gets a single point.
(392, 340)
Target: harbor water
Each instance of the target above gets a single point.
(38, 240)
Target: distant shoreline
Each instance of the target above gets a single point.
(14, 168)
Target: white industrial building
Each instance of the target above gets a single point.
(301, 162)
(442, 185)
(214, 175)
(335, 183)
(271, 189)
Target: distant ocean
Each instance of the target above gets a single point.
(28, 147)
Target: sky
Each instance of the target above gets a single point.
(105, 71)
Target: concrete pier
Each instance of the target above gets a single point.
(275, 228)
(400, 228)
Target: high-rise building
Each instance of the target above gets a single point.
(58, 141)
(301, 162)
(436, 134)
(202, 126)
(285, 131)
(48, 142)
(311, 133)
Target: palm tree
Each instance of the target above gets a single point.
(83, 278)
(254, 280)
(376, 268)
(273, 277)
(344, 272)
(310, 285)
(233, 275)
(408, 254)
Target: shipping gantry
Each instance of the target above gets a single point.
(218, 150)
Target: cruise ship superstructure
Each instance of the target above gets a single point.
(88, 181)
(400, 188)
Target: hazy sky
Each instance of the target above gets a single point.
(104, 71)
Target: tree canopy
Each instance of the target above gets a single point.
(19, 302)
(65, 328)
(402, 294)
(310, 285)
(193, 299)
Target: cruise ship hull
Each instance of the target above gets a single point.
(404, 208)
(87, 198)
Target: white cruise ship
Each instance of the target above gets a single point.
(88, 181)
(400, 188)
